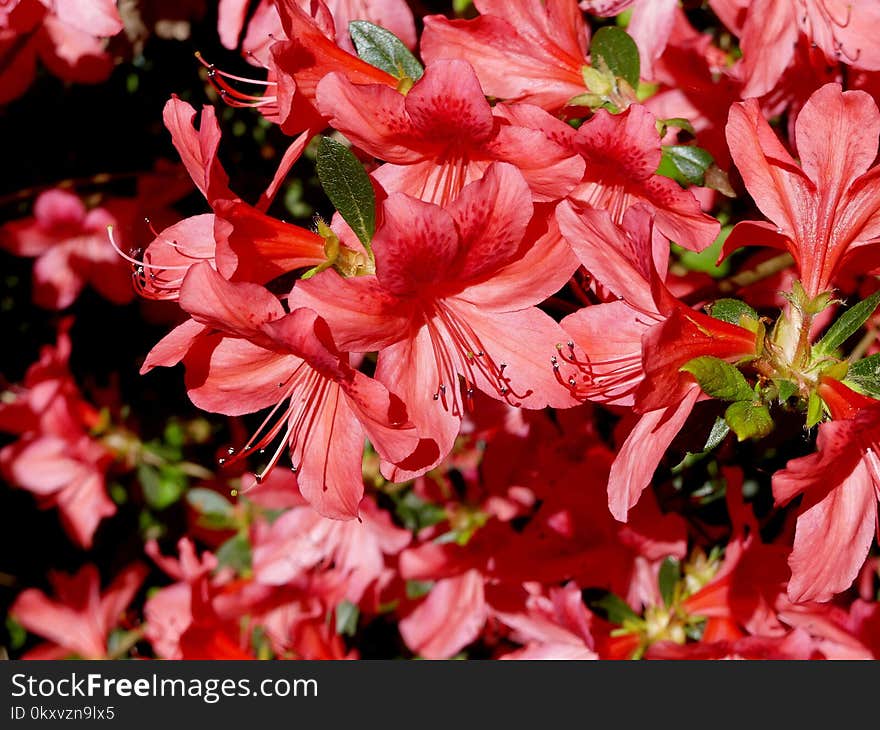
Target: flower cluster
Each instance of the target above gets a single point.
(526, 390)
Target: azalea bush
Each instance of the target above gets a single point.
(382, 329)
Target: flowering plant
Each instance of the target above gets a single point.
(521, 329)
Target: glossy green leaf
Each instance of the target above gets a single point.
(749, 420)
(719, 432)
(815, 409)
(615, 609)
(686, 164)
(349, 188)
(384, 50)
(846, 325)
(719, 379)
(864, 376)
(787, 389)
(732, 311)
(618, 50)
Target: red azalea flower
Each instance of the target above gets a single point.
(79, 620)
(242, 353)
(522, 50)
(237, 239)
(66, 35)
(55, 457)
(622, 152)
(71, 249)
(825, 210)
(347, 557)
(840, 484)
(551, 624)
(769, 30)
(168, 611)
(450, 618)
(796, 645)
(634, 347)
(453, 296)
(443, 135)
(309, 54)
(265, 23)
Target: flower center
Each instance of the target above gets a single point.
(305, 394)
(234, 97)
(153, 280)
(459, 351)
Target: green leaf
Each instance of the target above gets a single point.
(677, 122)
(118, 493)
(731, 311)
(293, 200)
(382, 49)
(415, 513)
(706, 260)
(864, 376)
(418, 588)
(719, 432)
(670, 572)
(618, 50)
(214, 509)
(348, 186)
(787, 389)
(814, 409)
(847, 324)
(347, 614)
(235, 553)
(615, 609)
(161, 486)
(748, 419)
(719, 379)
(686, 164)
(17, 633)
